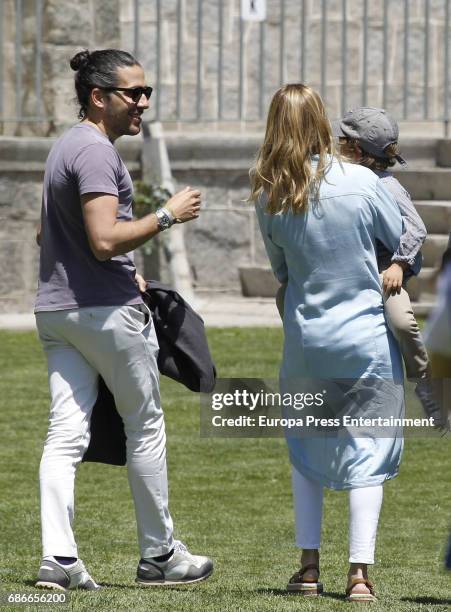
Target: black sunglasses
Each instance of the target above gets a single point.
(135, 93)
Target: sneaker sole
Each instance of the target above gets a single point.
(57, 587)
(172, 582)
(50, 585)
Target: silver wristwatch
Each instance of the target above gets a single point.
(165, 218)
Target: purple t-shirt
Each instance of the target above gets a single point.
(81, 161)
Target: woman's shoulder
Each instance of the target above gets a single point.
(350, 178)
(354, 170)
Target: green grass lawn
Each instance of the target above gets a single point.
(230, 499)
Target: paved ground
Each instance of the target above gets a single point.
(217, 310)
(226, 310)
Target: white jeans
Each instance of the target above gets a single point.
(364, 508)
(114, 342)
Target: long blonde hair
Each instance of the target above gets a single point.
(297, 128)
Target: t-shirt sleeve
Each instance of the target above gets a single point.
(96, 170)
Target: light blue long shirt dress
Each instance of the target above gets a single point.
(334, 324)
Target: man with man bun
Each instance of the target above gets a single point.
(91, 320)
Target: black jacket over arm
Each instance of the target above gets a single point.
(184, 356)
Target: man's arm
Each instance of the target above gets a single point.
(109, 237)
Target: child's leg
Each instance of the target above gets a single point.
(402, 322)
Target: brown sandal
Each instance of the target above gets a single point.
(360, 596)
(307, 586)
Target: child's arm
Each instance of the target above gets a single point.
(393, 277)
(414, 232)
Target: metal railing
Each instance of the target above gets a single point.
(272, 74)
(208, 65)
(15, 86)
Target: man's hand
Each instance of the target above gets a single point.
(109, 237)
(392, 279)
(140, 282)
(185, 205)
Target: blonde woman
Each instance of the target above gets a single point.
(319, 220)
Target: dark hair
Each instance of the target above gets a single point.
(97, 69)
(352, 150)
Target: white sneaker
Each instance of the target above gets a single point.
(54, 575)
(181, 568)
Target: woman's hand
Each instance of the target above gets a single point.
(185, 205)
(392, 278)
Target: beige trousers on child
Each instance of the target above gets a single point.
(402, 322)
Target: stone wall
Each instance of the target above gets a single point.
(226, 235)
(292, 61)
(68, 26)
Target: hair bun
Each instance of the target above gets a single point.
(80, 60)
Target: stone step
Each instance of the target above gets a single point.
(224, 153)
(436, 215)
(212, 150)
(241, 148)
(419, 152)
(16, 152)
(427, 184)
(424, 283)
(433, 248)
(259, 282)
(424, 308)
(34, 170)
(443, 157)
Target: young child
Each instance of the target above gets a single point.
(369, 136)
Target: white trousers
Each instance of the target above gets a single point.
(114, 342)
(364, 508)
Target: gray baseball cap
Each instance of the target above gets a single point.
(373, 127)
